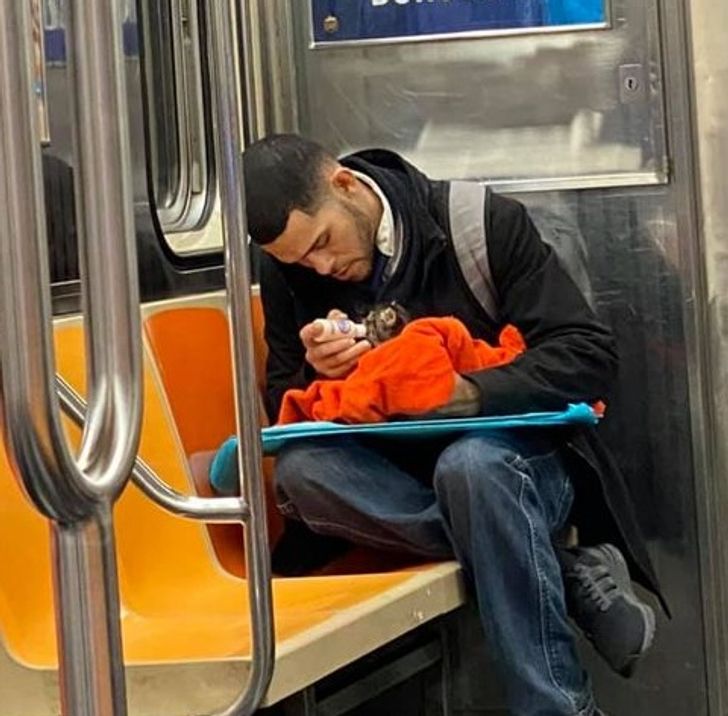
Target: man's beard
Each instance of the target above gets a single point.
(365, 232)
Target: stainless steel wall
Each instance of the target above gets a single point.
(547, 107)
(641, 282)
(708, 23)
(548, 112)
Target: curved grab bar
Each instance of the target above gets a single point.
(34, 434)
(64, 489)
(108, 257)
(206, 509)
(222, 32)
(76, 495)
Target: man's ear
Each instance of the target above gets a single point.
(343, 180)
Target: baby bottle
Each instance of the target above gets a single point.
(333, 328)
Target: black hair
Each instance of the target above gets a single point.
(282, 172)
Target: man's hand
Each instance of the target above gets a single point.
(332, 359)
(464, 401)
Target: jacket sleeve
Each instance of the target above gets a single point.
(570, 356)
(285, 365)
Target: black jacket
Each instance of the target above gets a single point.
(571, 356)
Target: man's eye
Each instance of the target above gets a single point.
(323, 240)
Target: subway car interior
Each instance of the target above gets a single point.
(132, 335)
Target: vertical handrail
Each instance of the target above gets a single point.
(251, 65)
(75, 494)
(230, 172)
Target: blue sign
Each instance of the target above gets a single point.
(54, 16)
(347, 20)
(55, 43)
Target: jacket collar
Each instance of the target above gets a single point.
(409, 191)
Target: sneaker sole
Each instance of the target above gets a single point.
(648, 614)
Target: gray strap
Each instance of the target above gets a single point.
(468, 232)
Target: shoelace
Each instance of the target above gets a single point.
(596, 584)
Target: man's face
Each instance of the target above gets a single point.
(337, 240)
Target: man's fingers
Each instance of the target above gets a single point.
(340, 363)
(332, 359)
(309, 333)
(341, 372)
(323, 351)
(351, 354)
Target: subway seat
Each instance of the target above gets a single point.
(183, 592)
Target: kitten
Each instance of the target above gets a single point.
(385, 321)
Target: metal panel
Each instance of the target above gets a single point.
(640, 283)
(542, 111)
(708, 22)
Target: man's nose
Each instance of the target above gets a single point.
(323, 265)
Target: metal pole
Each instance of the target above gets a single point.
(230, 172)
(87, 615)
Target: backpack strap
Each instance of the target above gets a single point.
(467, 206)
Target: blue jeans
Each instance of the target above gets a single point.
(494, 502)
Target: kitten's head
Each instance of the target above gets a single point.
(385, 321)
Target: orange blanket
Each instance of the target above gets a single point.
(411, 374)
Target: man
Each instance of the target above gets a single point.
(339, 236)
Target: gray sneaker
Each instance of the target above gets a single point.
(600, 599)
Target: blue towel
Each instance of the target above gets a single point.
(224, 467)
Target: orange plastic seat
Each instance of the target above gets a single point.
(179, 605)
(191, 349)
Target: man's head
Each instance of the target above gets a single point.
(306, 208)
